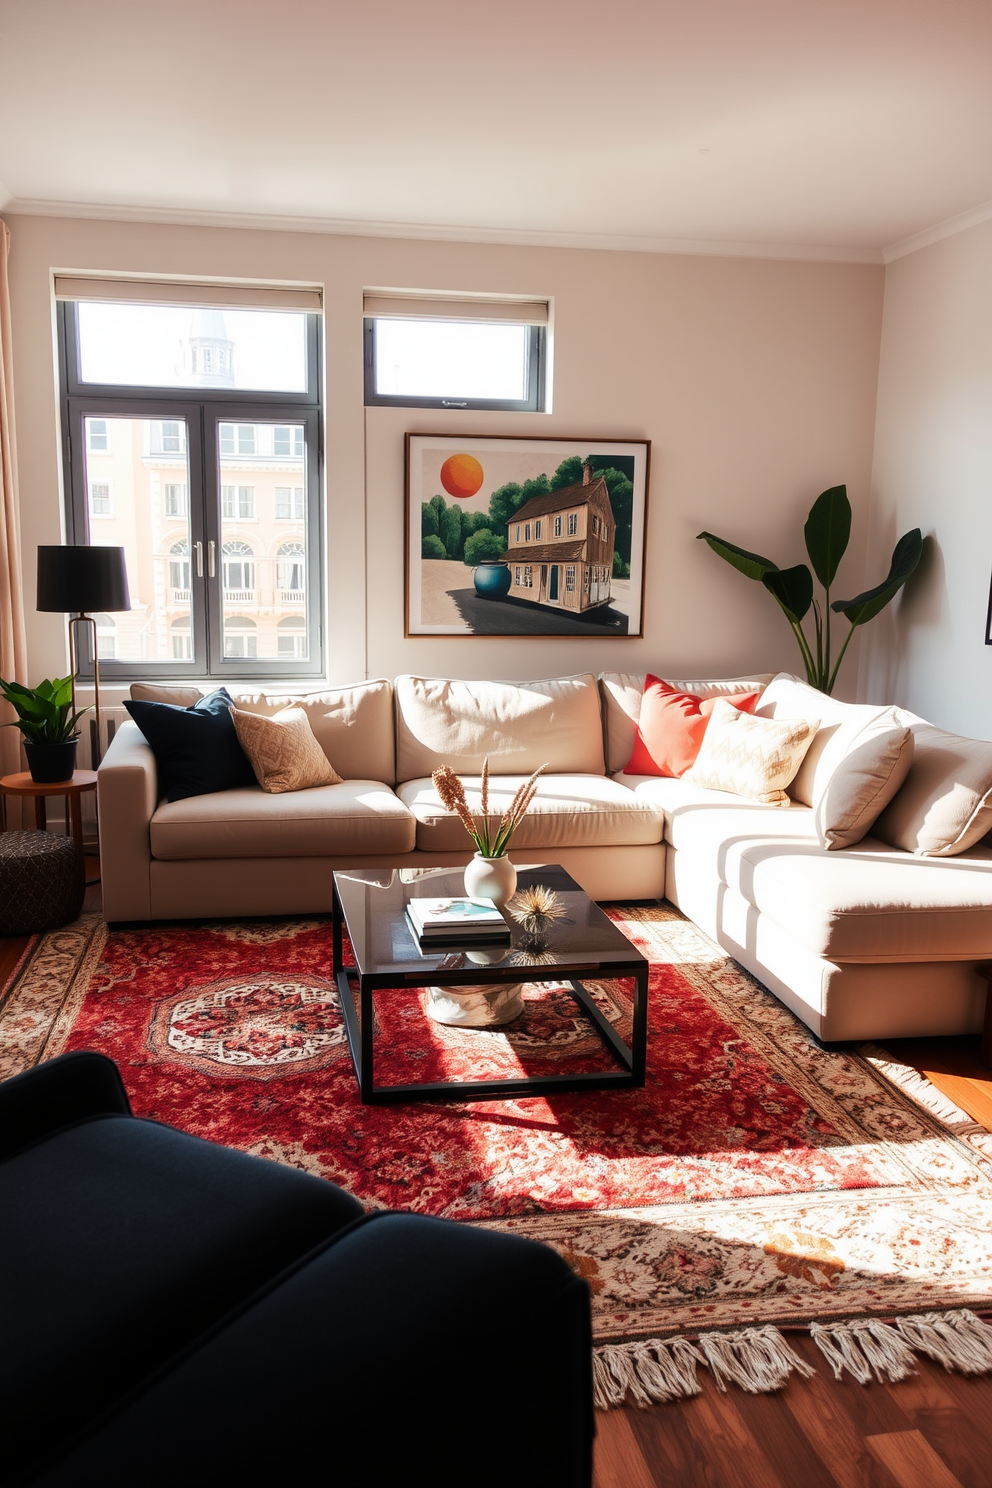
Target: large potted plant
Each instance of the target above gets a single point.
(46, 719)
(827, 532)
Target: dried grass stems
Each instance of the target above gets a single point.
(491, 838)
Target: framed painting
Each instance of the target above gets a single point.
(525, 537)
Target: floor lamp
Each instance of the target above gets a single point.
(77, 581)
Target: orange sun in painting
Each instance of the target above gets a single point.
(461, 475)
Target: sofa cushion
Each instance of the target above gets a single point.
(671, 727)
(354, 817)
(195, 745)
(567, 811)
(858, 759)
(622, 693)
(945, 804)
(353, 725)
(755, 757)
(863, 903)
(283, 751)
(518, 725)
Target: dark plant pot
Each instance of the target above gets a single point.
(492, 580)
(50, 764)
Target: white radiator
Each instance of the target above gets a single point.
(88, 756)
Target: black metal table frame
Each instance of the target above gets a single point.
(359, 1025)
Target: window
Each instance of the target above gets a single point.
(516, 531)
(238, 502)
(291, 569)
(287, 443)
(537, 529)
(557, 526)
(178, 426)
(526, 532)
(292, 637)
(289, 503)
(237, 439)
(585, 580)
(528, 576)
(100, 499)
(240, 636)
(106, 636)
(175, 501)
(455, 353)
(239, 569)
(573, 523)
(570, 578)
(516, 575)
(179, 568)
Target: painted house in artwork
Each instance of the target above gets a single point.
(561, 547)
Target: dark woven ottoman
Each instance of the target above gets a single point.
(41, 883)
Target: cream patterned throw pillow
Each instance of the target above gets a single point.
(283, 751)
(752, 757)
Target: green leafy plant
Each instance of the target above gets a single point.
(827, 533)
(44, 713)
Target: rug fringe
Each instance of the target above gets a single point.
(654, 1371)
(923, 1091)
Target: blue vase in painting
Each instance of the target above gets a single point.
(492, 580)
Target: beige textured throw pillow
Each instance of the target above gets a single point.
(754, 757)
(945, 805)
(283, 751)
(857, 760)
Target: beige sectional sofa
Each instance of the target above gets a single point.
(868, 941)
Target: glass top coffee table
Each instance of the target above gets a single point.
(371, 906)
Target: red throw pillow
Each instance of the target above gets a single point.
(671, 727)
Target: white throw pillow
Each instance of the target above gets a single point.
(859, 758)
(945, 805)
(754, 757)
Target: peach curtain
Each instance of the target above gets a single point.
(13, 639)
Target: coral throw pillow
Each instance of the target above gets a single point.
(671, 726)
(283, 752)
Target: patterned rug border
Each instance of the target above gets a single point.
(937, 1163)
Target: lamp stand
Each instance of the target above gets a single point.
(83, 619)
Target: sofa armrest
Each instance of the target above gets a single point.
(127, 795)
(56, 1094)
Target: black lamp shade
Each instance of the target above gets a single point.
(87, 580)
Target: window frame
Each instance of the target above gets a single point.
(537, 372)
(203, 410)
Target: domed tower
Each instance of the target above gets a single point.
(209, 351)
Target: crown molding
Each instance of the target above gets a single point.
(945, 229)
(518, 237)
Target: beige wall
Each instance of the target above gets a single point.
(933, 470)
(755, 381)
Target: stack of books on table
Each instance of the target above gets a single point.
(456, 922)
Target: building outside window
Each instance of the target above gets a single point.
(168, 453)
(106, 636)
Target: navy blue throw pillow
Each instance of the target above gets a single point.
(196, 749)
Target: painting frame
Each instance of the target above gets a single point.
(572, 567)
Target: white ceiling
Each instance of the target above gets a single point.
(814, 127)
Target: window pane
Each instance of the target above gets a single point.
(180, 346)
(137, 489)
(263, 560)
(451, 359)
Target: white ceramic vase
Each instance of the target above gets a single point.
(490, 880)
(475, 1007)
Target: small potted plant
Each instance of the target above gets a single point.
(490, 877)
(45, 718)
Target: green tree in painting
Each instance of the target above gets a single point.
(503, 502)
(428, 519)
(483, 546)
(569, 473)
(621, 570)
(450, 531)
(432, 547)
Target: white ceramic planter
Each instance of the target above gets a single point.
(490, 880)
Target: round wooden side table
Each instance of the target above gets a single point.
(21, 785)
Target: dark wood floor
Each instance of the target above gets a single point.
(932, 1431)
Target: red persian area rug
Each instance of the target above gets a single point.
(757, 1182)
